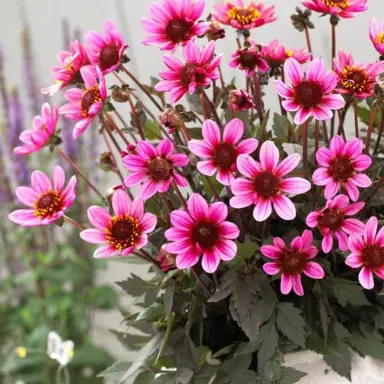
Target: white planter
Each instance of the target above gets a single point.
(364, 370)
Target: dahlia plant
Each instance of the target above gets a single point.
(261, 230)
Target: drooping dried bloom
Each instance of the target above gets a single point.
(292, 261)
(341, 165)
(310, 94)
(243, 14)
(201, 231)
(342, 8)
(84, 105)
(68, 72)
(200, 69)
(174, 23)
(376, 33)
(47, 202)
(333, 221)
(250, 60)
(240, 100)
(122, 233)
(368, 253)
(155, 168)
(355, 78)
(220, 155)
(43, 128)
(106, 51)
(265, 185)
(215, 31)
(171, 119)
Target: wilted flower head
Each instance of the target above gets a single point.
(215, 31)
(171, 119)
(342, 8)
(240, 100)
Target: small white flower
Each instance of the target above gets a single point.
(59, 350)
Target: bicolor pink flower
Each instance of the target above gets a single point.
(48, 202)
(333, 222)
(342, 8)
(174, 23)
(201, 231)
(341, 165)
(355, 78)
(376, 33)
(276, 54)
(250, 60)
(68, 72)
(43, 128)
(292, 261)
(200, 69)
(154, 168)
(106, 51)
(265, 184)
(310, 94)
(84, 105)
(122, 233)
(240, 100)
(368, 253)
(220, 154)
(243, 14)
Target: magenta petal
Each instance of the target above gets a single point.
(380, 238)
(93, 236)
(146, 150)
(302, 115)
(295, 185)
(331, 189)
(137, 209)
(58, 178)
(353, 227)
(206, 167)
(271, 268)
(227, 249)
(288, 165)
(356, 244)
(337, 145)
(228, 230)
(353, 148)
(247, 166)
(297, 285)
(180, 246)
(197, 207)
(148, 222)
(366, 278)
(242, 187)
(312, 219)
(321, 176)
(181, 219)
(187, 260)
(262, 210)
(286, 284)
(370, 230)
(25, 218)
(324, 157)
(217, 212)
(165, 148)
(327, 243)
(233, 131)
(293, 71)
(283, 90)
(211, 133)
(225, 177)
(316, 70)
(241, 201)
(148, 189)
(40, 182)
(269, 156)
(340, 202)
(104, 252)
(135, 163)
(210, 261)
(361, 163)
(352, 190)
(352, 209)
(135, 178)
(314, 270)
(284, 207)
(354, 260)
(200, 148)
(175, 234)
(27, 196)
(99, 217)
(271, 251)
(121, 203)
(361, 180)
(247, 146)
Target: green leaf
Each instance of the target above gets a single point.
(341, 331)
(103, 297)
(347, 292)
(245, 377)
(291, 376)
(168, 298)
(268, 339)
(207, 189)
(323, 315)
(181, 376)
(92, 356)
(231, 367)
(116, 371)
(154, 312)
(152, 130)
(364, 114)
(136, 287)
(290, 323)
(364, 346)
(281, 126)
(226, 287)
(147, 377)
(205, 374)
(340, 360)
(130, 341)
(184, 350)
(170, 321)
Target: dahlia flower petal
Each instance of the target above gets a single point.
(327, 243)
(179, 180)
(356, 244)
(312, 219)
(354, 260)
(191, 53)
(334, 102)
(27, 196)
(74, 95)
(293, 71)
(210, 261)
(297, 285)
(121, 203)
(290, 105)
(324, 157)
(187, 260)
(148, 189)
(331, 189)
(104, 252)
(206, 167)
(207, 53)
(284, 207)
(352, 190)
(315, 70)
(337, 146)
(379, 273)
(269, 156)
(370, 230)
(135, 178)
(197, 207)
(302, 115)
(135, 163)
(361, 163)
(233, 131)
(98, 217)
(227, 249)
(366, 278)
(342, 239)
(242, 187)
(312, 252)
(211, 133)
(178, 159)
(25, 218)
(314, 270)
(307, 238)
(137, 209)
(88, 77)
(179, 246)
(69, 191)
(241, 201)
(283, 90)
(164, 186)
(295, 185)
(353, 227)
(217, 212)
(40, 182)
(271, 251)
(146, 150)
(200, 148)
(340, 202)
(279, 244)
(380, 238)
(225, 177)
(353, 209)
(247, 166)
(128, 251)
(361, 180)
(287, 165)
(321, 112)
(81, 126)
(175, 234)
(321, 176)
(353, 148)
(272, 268)
(58, 178)
(93, 236)
(286, 284)
(262, 210)
(247, 146)
(228, 230)
(181, 219)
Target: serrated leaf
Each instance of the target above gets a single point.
(290, 323)
(323, 316)
(130, 341)
(184, 350)
(291, 376)
(145, 378)
(271, 372)
(168, 298)
(226, 287)
(268, 339)
(340, 361)
(116, 371)
(230, 368)
(347, 292)
(281, 126)
(341, 331)
(154, 312)
(364, 346)
(245, 377)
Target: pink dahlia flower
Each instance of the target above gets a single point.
(368, 253)
(250, 60)
(276, 54)
(122, 233)
(265, 184)
(341, 165)
(201, 231)
(68, 72)
(174, 23)
(155, 168)
(376, 33)
(243, 14)
(342, 8)
(220, 155)
(332, 222)
(107, 51)
(309, 95)
(200, 69)
(355, 78)
(292, 261)
(43, 128)
(240, 100)
(85, 104)
(47, 202)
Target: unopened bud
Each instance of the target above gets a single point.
(167, 260)
(107, 162)
(215, 31)
(120, 95)
(240, 100)
(171, 119)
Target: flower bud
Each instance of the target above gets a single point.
(167, 260)
(240, 100)
(171, 119)
(120, 95)
(107, 162)
(215, 31)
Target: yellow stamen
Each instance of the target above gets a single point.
(354, 79)
(380, 38)
(288, 53)
(48, 203)
(337, 3)
(243, 16)
(122, 232)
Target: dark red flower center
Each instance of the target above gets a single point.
(122, 232)
(331, 219)
(342, 169)
(91, 97)
(293, 262)
(177, 30)
(248, 59)
(190, 73)
(354, 79)
(159, 169)
(48, 204)
(308, 94)
(224, 156)
(373, 256)
(109, 57)
(206, 234)
(266, 184)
